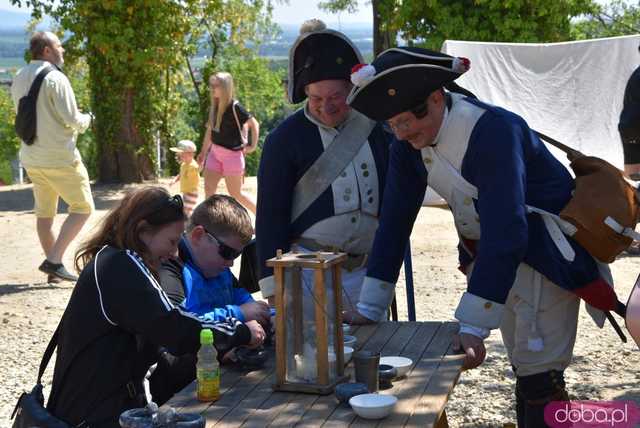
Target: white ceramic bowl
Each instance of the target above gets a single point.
(402, 364)
(348, 353)
(349, 340)
(373, 406)
(346, 328)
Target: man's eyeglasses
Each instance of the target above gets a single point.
(419, 111)
(402, 126)
(225, 251)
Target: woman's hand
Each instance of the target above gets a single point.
(200, 158)
(248, 149)
(206, 143)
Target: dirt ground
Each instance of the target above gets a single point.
(603, 368)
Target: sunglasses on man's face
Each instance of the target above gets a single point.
(225, 251)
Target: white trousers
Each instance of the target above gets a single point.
(556, 322)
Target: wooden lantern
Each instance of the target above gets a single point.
(308, 321)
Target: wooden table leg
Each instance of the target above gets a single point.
(442, 420)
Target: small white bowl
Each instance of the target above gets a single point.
(346, 328)
(348, 353)
(373, 406)
(349, 340)
(402, 364)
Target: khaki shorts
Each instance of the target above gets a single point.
(69, 183)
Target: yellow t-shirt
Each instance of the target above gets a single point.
(189, 177)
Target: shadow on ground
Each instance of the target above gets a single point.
(20, 198)
(7, 289)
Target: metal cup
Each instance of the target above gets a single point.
(366, 365)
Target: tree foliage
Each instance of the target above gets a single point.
(136, 52)
(617, 18)
(337, 6)
(9, 142)
(431, 22)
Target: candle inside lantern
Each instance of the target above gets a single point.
(306, 364)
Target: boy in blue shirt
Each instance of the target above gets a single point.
(200, 279)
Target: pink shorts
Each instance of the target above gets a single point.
(224, 161)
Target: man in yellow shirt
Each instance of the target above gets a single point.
(53, 162)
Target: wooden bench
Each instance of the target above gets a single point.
(248, 400)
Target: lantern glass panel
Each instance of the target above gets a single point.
(301, 329)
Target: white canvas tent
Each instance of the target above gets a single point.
(569, 91)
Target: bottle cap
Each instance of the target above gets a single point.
(206, 337)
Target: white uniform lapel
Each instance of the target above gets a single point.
(444, 161)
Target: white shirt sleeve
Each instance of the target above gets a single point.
(64, 100)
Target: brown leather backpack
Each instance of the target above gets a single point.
(604, 207)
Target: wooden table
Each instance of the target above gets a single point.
(247, 399)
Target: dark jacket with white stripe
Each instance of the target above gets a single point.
(115, 309)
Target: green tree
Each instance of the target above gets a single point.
(260, 90)
(9, 142)
(136, 52)
(384, 35)
(617, 18)
(431, 22)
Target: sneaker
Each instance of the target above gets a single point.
(58, 270)
(51, 279)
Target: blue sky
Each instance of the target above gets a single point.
(293, 13)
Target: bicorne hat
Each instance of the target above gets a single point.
(400, 79)
(319, 55)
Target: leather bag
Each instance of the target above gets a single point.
(30, 411)
(604, 207)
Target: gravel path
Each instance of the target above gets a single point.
(603, 367)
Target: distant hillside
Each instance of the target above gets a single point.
(360, 34)
(14, 40)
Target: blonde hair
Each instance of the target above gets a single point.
(222, 215)
(220, 105)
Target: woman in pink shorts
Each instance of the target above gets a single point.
(226, 142)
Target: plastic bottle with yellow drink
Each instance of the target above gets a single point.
(207, 368)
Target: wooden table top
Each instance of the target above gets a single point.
(248, 400)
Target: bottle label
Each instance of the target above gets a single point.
(208, 384)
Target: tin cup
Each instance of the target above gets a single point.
(366, 366)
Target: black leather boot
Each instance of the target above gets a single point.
(535, 392)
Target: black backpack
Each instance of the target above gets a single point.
(25, 124)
